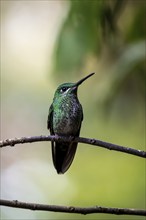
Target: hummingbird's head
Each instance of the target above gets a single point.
(67, 89)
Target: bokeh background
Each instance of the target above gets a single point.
(46, 43)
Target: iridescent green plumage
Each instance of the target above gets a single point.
(65, 118)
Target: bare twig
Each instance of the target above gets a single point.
(72, 209)
(109, 146)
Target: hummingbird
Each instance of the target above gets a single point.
(65, 119)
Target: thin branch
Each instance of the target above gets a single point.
(109, 146)
(72, 209)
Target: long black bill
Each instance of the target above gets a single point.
(82, 80)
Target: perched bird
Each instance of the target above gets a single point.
(64, 119)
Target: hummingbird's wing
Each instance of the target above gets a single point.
(50, 120)
(50, 125)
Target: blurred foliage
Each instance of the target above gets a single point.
(110, 31)
(92, 24)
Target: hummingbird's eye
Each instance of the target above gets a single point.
(63, 89)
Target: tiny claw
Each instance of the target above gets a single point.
(72, 138)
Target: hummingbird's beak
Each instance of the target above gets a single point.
(82, 80)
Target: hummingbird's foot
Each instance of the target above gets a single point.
(57, 137)
(68, 138)
(71, 138)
